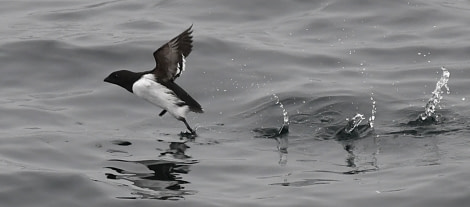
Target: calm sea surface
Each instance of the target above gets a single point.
(69, 139)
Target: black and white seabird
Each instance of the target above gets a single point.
(157, 86)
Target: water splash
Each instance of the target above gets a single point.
(354, 128)
(373, 112)
(353, 123)
(285, 125)
(282, 141)
(436, 96)
(275, 132)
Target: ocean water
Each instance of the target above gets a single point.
(69, 139)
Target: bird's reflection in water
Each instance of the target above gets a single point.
(163, 181)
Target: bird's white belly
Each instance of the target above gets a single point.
(159, 95)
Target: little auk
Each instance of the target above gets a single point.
(158, 86)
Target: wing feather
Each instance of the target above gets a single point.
(170, 57)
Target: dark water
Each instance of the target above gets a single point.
(69, 139)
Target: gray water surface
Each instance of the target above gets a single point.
(69, 139)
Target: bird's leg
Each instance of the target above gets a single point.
(162, 113)
(188, 127)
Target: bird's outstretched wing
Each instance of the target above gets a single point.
(170, 57)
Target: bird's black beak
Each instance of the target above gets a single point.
(107, 79)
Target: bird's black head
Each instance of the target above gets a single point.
(123, 78)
